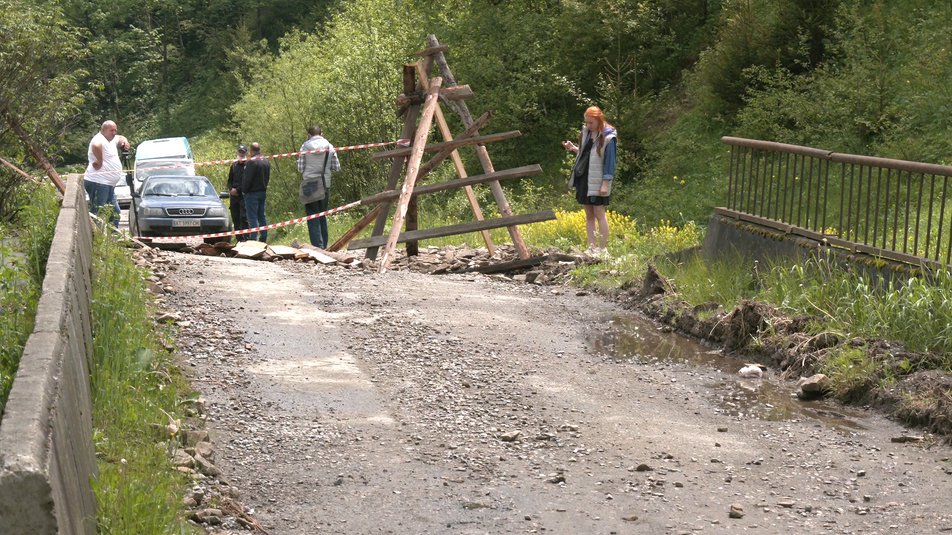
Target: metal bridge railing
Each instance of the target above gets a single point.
(895, 209)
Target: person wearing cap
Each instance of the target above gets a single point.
(236, 201)
(105, 169)
(316, 169)
(254, 187)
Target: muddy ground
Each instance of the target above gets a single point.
(342, 401)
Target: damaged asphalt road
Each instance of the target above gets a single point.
(342, 401)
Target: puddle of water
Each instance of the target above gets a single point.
(633, 339)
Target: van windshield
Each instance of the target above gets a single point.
(162, 148)
(179, 187)
(147, 169)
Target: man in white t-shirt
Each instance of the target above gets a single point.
(105, 169)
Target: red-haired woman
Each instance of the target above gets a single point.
(593, 173)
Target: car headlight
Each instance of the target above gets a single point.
(217, 211)
(153, 212)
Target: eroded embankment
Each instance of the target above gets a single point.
(905, 385)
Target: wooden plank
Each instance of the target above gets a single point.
(430, 51)
(463, 111)
(355, 230)
(396, 166)
(505, 266)
(413, 166)
(403, 152)
(507, 174)
(462, 228)
(20, 172)
(449, 94)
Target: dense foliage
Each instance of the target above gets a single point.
(24, 248)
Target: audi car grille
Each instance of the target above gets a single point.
(185, 211)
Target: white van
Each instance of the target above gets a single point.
(166, 156)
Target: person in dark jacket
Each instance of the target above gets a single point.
(236, 202)
(254, 187)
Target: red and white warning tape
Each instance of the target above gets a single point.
(401, 142)
(256, 229)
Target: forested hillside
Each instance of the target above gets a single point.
(867, 76)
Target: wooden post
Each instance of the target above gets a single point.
(35, 151)
(412, 247)
(396, 166)
(413, 164)
(460, 168)
(19, 171)
(463, 111)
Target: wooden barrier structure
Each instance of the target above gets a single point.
(420, 104)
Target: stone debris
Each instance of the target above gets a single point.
(813, 387)
(736, 511)
(550, 267)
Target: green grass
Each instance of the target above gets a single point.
(914, 311)
(24, 247)
(135, 388)
(701, 282)
(850, 371)
(911, 310)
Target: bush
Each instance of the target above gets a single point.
(24, 248)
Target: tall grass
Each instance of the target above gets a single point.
(24, 248)
(913, 310)
(135, 390)
(723, 282)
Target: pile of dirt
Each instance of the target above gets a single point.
(903, 384)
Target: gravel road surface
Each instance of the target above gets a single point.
(342, 401)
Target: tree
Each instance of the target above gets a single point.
(343, 78)
(40, 90)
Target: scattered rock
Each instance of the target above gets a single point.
(813, 387)
(510, 436)
(182, 459)
(736, 511)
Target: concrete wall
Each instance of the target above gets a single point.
(728, 238)
(47, 458)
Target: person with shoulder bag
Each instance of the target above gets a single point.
(593, 173)
(317, 164)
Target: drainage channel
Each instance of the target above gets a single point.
(634, 340)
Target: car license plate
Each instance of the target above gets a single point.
(186, 223)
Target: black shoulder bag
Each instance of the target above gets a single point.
(580, 170)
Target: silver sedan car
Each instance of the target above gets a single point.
(178, 206)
